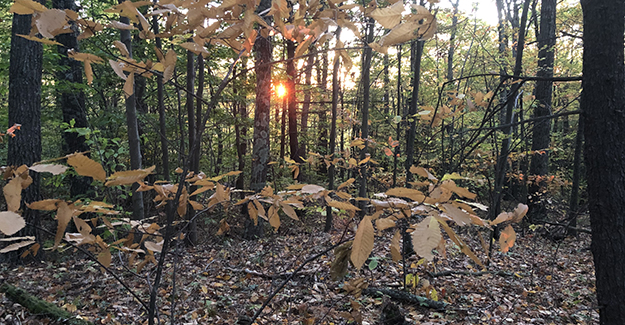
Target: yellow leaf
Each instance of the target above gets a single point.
(426, 237)
(129, 177)
(507, 239)
(40, 40)
(363, 242)
(11, 222)
(85, 166)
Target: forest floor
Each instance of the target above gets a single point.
(226, 278)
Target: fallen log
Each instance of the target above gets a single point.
(40, 307)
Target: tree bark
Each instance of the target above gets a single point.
(25, 66)
(71, 99)
(133, 132)
(603, 103)
(162, 122)
(260, 151)
(292, 102)
(541, 135)
(366, 102)
(335, 100)
(306, 106)
(416, 51)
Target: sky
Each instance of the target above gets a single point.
(486, 9)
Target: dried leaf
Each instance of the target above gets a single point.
(11, 222)
(460, 217)
(507, 239)
(155, 247)
(40, 40)
(312, 189)
(363, 242)
(338, 268)
(289, 211)
(86, 166)
(13, 193)
(129, 177)
(384, 223)
(16, 246)
(26, 7)
(49, 168)
(50, 21)
(341, 205)
(390, 16)
(274, 218)
(395, 248)
(129, 85)
(412, 194)
(105, 258)
(63, 216)
(426, 237)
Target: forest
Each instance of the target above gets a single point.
(312, 162)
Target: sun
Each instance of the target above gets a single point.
(280, 90)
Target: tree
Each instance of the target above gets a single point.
(541, 135)
(26, 60)
(602, 104)
(70, 98)
(133, 129)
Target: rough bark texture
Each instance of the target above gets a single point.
(416, 52)
(25, 108)
(366, 102)
(603, 107)
(133, 133)
(260, 151)
(71, 99)
(544, 88)
(292, 100)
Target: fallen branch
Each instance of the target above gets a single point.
(403, 296)
(41, 307)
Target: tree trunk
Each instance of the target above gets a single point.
(452, 39)
(306, 106)
(161, 109)
(577, 159)
(133, 132)
(602, 103)
(416, 51)
(398, 126)
(322, 82)
(194, 152)
(335, 100)
(71, 99)
(541, 134)
(292, 103)
(25, 108)
(260, 151)
(366, 102)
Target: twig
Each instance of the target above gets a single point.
(452, 272)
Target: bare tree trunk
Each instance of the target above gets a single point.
(577, 162)
(306, 106)
(71, 99)
(541, 135)
(416, 52)
(602, 103)
(452, 39)
(364, 130)
(25, 67)
(397, 113)
(335, 100)
(133, 133)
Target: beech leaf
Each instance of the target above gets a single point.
(16, 246)
(426, 237)
(507, 239)
(86, 166)
(49, 168)
(129, 177)
(363, 242)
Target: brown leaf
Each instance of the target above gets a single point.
(395, 248)
(426, 237)
(289, 211)
(105, 258)
(16, 246)
(63, 216)
(85, 166)
(13, 193)
(129, 177)
(49, 168)
(363, 242)
(11, 222)
(341, 205)
(507, 239)
(129, 85)
(40, 40)
(50, 21)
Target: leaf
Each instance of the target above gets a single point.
(460, 217)
(390, 16)
(341, 205)
(85, 57)
(426, 237)
(412, 194)
(122, 48)
(363, 242)
(461, 191)
(40, 40)
(86, 166)
(88, 72)
(11, 222)
(519, 212)
(155, 247)
(105, 258)
(388, 152)
(289, 211)
(507, 239)
(463, 247)
(49, 168)
(197, 49)
(63, 216)
(253, 213)
(421, 26)
(346, 183)
(129, 177)
(26, 7)
(395, 248)
(274, 218)
(13, 193)
(338, 268)
(119, 25)
(384, 223)
(129, 85)
(224, 227)
(50, 22)
(312, 189)
(16, 246)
